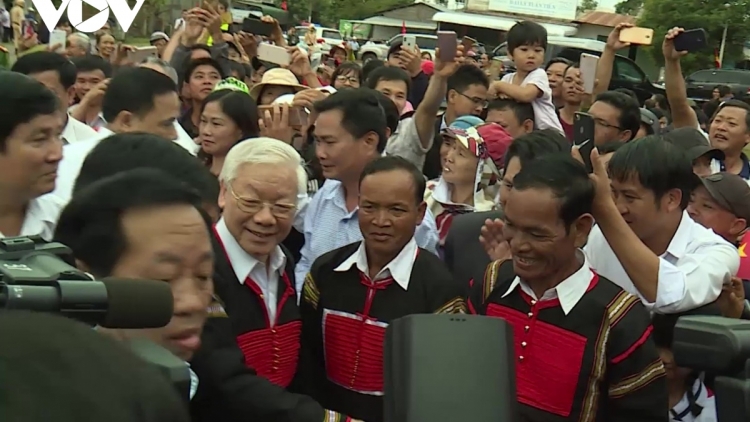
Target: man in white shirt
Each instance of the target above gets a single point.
(645, 241)
(59, 75)
(137, 100)
(30, 151)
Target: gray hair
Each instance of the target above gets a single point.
(264, 151)
(83, 40)
(163, 64)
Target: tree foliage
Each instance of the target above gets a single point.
(586, 5)
(629, 7)
(360, 9)
(711, 15)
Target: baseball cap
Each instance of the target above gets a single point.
(463, 123)
(731, 192)
(158, 35)
(497, 141)
(693, 142)
(650, 120)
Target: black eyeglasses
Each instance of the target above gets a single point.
(475, 100)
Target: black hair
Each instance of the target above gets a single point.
(657, 112)
(536, 144)
(195, 64)
(361, 112)
(91, 226)
(737, 104)
(77, 371)
(522, 111)
(92, 63)
(556, 60)
(45, 61)
(566, 178)
(658, 165)
(22, 99)
(371, 65)
(203, 47)
(239, 107)
(392, 163)
(101, 34)
(661, 101)
(465, 76)
(237, 70)
(699, 114)
(347, 68)
(134, 90)
(610, 147)
(724, 90)
(395, 48)
(628, 92)
(127, 151)
(392, 116)
(526, 33)
(630, 113)
(388, 74)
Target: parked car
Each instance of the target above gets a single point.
(625, 74)
(370, 50)
(700, 84)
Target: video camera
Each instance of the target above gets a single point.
(35, 276)
(721, 348)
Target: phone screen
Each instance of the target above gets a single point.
(257, 27)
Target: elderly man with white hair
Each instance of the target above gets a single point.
(77, 45)
(263, 184)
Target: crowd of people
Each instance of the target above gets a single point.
(295, 211)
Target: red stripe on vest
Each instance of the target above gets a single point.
(354, 344)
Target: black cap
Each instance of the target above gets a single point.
(731, 192)
(649, 120)
(693, 142)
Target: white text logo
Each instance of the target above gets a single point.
(123, 13)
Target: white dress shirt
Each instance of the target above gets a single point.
(569, 292)
(691, 272)
(399, 268)
(76, 131)
(41, 217)
(246, 266)
(73, 156)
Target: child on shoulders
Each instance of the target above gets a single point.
(527, 42)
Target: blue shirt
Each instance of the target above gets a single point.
(329, 225)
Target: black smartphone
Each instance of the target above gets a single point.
(691, 40)
(583, 127)
(257, 27)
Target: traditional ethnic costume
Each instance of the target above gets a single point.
(265, 316)
(583, 350)
(345, 315)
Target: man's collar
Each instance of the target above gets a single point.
(569, 291)
(399, 268)
(242, 262)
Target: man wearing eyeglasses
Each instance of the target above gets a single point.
(617, 117)
(261, 183)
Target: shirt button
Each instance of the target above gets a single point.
(523, 344)
(526, 328)
(520, 358)
(531, 314)
(533, 302)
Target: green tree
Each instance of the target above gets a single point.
(711, 15)
(586, 5)
(629, 7)
(360, 9)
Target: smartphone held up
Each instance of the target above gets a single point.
(448, 45)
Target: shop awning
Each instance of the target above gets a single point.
(393, 22)
(499, 23)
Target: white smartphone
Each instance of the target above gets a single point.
(588, 65)
(58, 37)
(141, 53)
(410, 41)
(274, 54)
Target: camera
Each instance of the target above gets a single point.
(36, 275)
(720, 347)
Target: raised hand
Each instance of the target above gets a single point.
(492, 239)
(667, 47)
(613, 39)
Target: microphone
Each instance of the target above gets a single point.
(110, 303)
